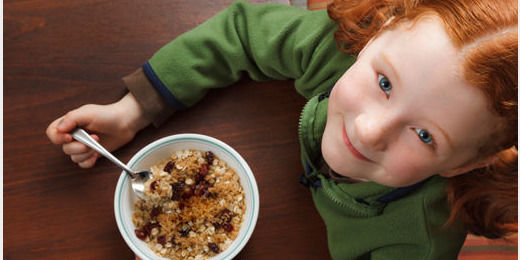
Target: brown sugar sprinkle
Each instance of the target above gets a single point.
(194, 206)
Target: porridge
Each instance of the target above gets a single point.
(194, 206)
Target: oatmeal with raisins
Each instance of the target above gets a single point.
(193, 209)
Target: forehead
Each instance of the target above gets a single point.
(431, 86)
(422, 47)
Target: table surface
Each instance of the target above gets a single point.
(59, 55)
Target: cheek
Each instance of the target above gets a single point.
(406, 166)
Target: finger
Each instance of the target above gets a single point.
(56, 136)
(75, 148)
(96, 137)
(81, 116)
(77, 158)
(89, 162)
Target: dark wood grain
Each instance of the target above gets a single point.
(59, 55)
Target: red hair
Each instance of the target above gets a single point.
(485, 31)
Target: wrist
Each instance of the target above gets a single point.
(153, 105)
(133, 113)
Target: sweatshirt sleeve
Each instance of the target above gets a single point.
(266, 42)
(154, 106)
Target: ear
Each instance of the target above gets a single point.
(469, 167)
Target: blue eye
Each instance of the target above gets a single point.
(384, 84)
(424, 136)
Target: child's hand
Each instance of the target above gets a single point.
(112, 125)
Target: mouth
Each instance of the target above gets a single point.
(351, 148)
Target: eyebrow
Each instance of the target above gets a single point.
(392, 68)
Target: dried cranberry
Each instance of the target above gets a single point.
(214, 247)
(228, 227)
(169, 167)
(152, 185)
(140, 234)
(203, 169)
(161, 240)
(209, 157)
(155, 212)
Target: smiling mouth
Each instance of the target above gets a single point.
(351, 148)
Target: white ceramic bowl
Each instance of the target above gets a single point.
(163, 148)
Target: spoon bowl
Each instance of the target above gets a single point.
(137, 179)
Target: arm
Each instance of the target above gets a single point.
(266, 42)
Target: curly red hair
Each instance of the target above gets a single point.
(485, 31)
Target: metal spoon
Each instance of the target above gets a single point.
(137, 179)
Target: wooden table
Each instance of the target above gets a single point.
(59, 55)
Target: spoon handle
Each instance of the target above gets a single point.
(83, 137)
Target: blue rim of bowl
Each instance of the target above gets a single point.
(213, 141)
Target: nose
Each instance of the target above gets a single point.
(373, 130)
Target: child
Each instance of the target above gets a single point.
(422, 111)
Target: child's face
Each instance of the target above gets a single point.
(403, 111)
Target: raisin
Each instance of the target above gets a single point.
(228, 227)
(155, 212)
(161, 240)
(152, 185)
(173, 241)
(216, 225)
(177, 189)
(224, 216)
(202, 188)
(148, 228)
(214, 247)
(169, 167)
(210, 157)
(188, 192)
(198, 178)
(140, 234)
(223, 220)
